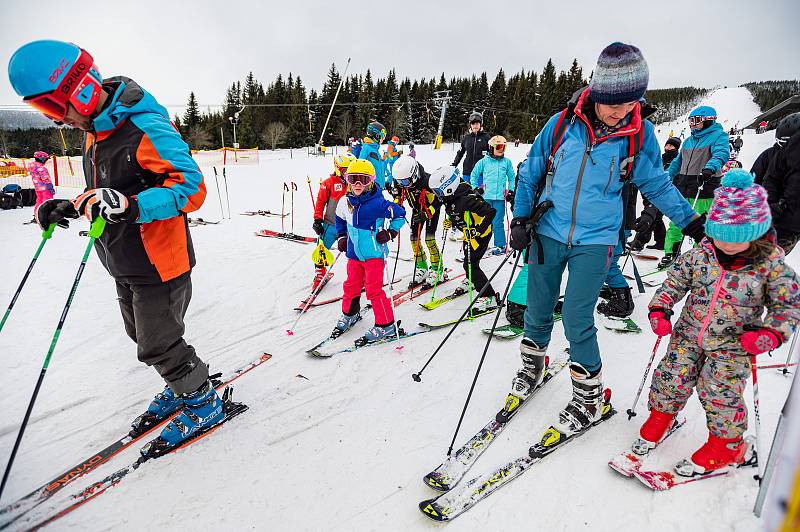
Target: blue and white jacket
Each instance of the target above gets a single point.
(361, 217)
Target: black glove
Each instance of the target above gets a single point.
(510, 197)
(317, 227)
(644, 221)
(383, 236)
(520, 237)
(341, 243)
(55, 211)
(696, 229)
(111, 205)
(479, 190)
(706, 175)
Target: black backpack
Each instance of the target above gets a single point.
(28, 197)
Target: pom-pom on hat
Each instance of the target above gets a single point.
(740, 212)
(621, 75)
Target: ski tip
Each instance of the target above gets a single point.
(399, 347)
(290, 332)
(428, 508)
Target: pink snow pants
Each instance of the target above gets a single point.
(367, 274)
(41, 197)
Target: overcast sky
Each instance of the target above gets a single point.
(173, 47)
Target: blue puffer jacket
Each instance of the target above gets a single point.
(370, 150)
(705, 148)
(361, 217)
(496, 175)
(586, 188)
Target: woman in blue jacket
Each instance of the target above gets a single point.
(494, 175)
(583, 174)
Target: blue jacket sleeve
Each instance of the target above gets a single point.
(675, 165)
(475, 179)
(533, 170)
(720, 152)
(656, 185)
(162, 151)
(396, 213)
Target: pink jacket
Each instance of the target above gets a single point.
(40, 177)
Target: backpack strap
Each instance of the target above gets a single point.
(558, 134)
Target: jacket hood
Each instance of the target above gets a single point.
(127, 99)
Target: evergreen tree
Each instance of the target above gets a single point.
(191, 118)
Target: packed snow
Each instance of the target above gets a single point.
(334, 444)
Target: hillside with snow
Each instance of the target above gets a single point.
(335, 444)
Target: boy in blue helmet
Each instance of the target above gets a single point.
(142, 180)
(697, 170)
(371, 151)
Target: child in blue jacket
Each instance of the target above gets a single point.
(362, 237)
(494, 178)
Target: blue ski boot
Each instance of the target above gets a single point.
(202, 410)
(163, 405)
(378, 333)
(344, 324)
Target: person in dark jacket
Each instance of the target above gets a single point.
(784, 130)
(141, 179)
(782, 182)
(650, 222)
(472, 215)
(474, 145)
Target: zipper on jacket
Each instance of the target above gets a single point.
(707, 319)
(577, 193)
(610, 174)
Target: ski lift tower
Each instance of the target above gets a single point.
(235, 120)
(441, 99)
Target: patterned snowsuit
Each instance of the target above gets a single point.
(704, 351)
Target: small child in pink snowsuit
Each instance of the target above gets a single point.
(41, 179)
(734, 275)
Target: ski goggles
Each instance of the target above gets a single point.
(363, 179)
(500, 147)
(698, 120)
(50, 106)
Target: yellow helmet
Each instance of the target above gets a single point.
(360, 170)
(341, 162)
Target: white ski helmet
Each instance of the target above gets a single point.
(444, 181)
(405, 171)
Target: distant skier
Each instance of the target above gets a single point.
(762, 127)
(697, 170)
(370, 149)
(41, 179)
(472, 215)
(362, 237)
(782, 182)
(330, 192)
(141, 179)
(474, 145)
(425, 210)
(494, 179)
(390, 156)
(411, 150)
(717, 338)
(738, 143)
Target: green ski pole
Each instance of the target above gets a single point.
(46, 234)
(94, 232)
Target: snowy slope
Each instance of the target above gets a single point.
(338, 444)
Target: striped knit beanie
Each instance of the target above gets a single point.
(621, 75)
(740, 212)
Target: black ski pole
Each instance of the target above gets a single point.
(632, 410)
(485, 350)
(45, 237)
(227, 196)
(418, 375)
(219, 195)
(96, 230)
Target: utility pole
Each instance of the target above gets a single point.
(441, 98)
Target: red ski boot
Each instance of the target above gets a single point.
(715, 454)
(652, 432)
(318, 276)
